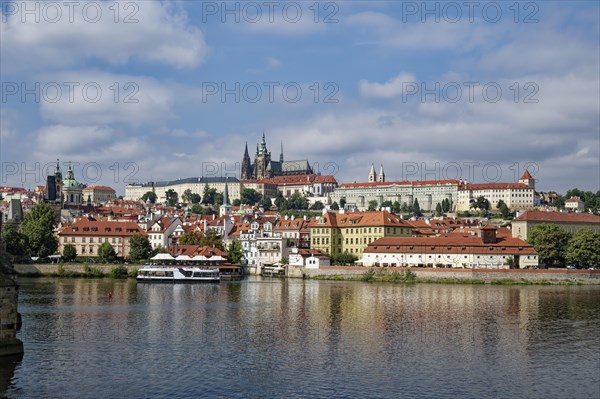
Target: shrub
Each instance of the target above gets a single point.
(119, 271)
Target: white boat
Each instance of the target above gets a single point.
(177, 274)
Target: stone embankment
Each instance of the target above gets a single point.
(507, 276)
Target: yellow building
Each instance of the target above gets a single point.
(571, 222)
(352, 232)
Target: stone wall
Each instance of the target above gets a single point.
(52, 268)
(9, 294)
(579, 276)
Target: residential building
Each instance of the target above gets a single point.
(87, 235)
(336, 233)
(486, 250)
(517, 196)
(428, 193)
(570, 221)
(161, 231)
(308, 258)
(98, 194)
(575, 204)
(195, 184)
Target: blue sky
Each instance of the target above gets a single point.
(410, 85)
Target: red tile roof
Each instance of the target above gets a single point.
(402, 183)
(565, 217)
(99, 188)
(492, 186)
(526, 175)
(101, 228)
(360, 219)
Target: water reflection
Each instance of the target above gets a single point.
(278, 338)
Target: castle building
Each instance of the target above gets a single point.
(72, 190)
(264, 167)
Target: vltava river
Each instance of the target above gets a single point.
(304, 339)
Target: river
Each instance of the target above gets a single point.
(276, 338)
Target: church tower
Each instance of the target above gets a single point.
(281, 155)
(372, 174)
(59, 182)
(527, 179)
(381, 175)
(246, 166)
(262, 160)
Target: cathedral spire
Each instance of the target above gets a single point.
(372, 174)
(381, 175)
(57, 171)
(225, 194)
(281, 153)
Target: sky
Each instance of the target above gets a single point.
(138, 91)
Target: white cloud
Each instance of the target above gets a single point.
(161, 34)
(104, 98)
(392, 88)
(386, 31)
(273, 62)
(8, 117)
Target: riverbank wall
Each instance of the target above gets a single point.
(56, 269)
(10, 345)
(486, 276)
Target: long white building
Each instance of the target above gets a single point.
(194, 184)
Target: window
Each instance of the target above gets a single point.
(82, 239)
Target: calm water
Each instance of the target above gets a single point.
(305, 339)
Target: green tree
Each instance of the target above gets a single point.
(208, 195)
(139, 247)
(280, 202)
(250, 196)
(583, 249)
(106, 252)
(372, 205)
(69, 253)
(503, 208)
(550, 241)
(190, 238)
(195, 198)
(386, 204)
(405, 208)
(297, 201)
(186, 197)
(416, 209)
(235, 252)
(171, 197)
(396, 207)
(335, 206)
(343, 259)
(481, 203)
(212, 239)
(38, 226)
(438, 209)
(197, 209)
(219, 198)
(317, 206)
(236, 202)
(266, 203)
(150, 195)
(17, 244)
(342, 202)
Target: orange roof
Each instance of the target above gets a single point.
(493, 186)
(360, 219)
(526, 175)
(101, 228)
(99, 188)
(402, 183)
(566, 217)
(574, 200)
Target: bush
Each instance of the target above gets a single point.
(119, 271)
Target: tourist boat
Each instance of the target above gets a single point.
(177, 274)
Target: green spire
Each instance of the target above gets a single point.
(226, 194)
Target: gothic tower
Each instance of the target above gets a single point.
(246, 166)
(372, 174)
(381, 175)
(262, 160)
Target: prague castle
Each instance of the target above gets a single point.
(263, 167)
